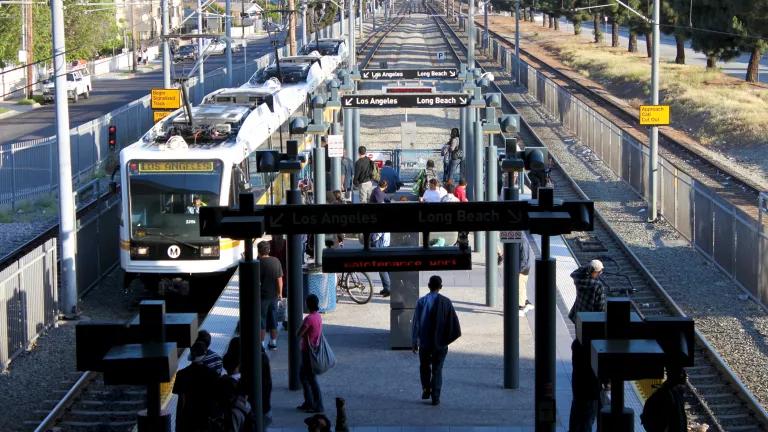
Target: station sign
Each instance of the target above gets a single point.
(511, 236)
(334, 218)
(654, 115)
(441, 100)
(395, 74)
(165, 99)
(335, 145)
(396, 259)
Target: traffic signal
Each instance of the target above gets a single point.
(112, 140)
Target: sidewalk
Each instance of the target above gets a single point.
(14, 109)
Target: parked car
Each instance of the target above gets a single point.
(216, 47)
(78, 84)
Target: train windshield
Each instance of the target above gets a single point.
(166, 196)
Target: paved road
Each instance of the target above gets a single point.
(109, 94)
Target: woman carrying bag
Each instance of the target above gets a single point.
(316, 357)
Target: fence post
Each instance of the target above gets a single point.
(13, 178)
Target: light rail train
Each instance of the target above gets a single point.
(182, 164)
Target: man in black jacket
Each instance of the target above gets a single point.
(435, 326)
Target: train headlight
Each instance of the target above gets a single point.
(139, 251)
(209, 251)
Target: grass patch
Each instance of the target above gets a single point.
(3, 110)
(715, 108)
(6, 216)
(26, 102)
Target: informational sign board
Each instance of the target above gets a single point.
(166, 99)
(654, 115)
(335, 145)
(159, 115)
(395, 74)
(396, 259)
(444, 100)
(441, 56)
(511, 236)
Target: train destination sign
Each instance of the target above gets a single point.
(395, 74)
(396, 259)
(445, 100)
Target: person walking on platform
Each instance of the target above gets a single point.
(347, 174)
(452, 155)
(381, 240)
(309, 334)
(525, 267)
(271, 292)
(278, 248)
(363, 179)
(586, 390)
(389, 174)
(193, 386)
(435, 326)
(590, 292)
(424, 177)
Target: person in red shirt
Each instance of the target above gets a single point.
(309, 333)
(461, 190)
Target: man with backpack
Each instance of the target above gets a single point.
(366, 172)
(424, 177)
(664, 411)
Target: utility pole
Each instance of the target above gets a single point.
(653, 175)
(471, 36)
(228, 34)
(291, 27)
(134, 66)
(67, 230)
(486, 43)
(166, 48)
(362, 19)
(303, 22)
(201, 73)
(29, 48)
(352, 56)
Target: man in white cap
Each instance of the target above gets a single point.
(590, 293)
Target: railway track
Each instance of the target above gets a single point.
(715, 394)
(694, 158)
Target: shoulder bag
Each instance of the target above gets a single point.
(321, 357)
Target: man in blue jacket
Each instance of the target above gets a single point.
(389, 174)
(435, 326)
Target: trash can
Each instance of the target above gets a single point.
(323, 285)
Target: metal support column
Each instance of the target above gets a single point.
(491, 263)
(295, 261)
(486, 41)
(335, 161)
(200, 70)
(511, 296)
(228, 34)
(319, 158)
(469, 139)
(478, 171)
(351, 45)
(517, 42)
(303, 22)
(471, 35)
(544, 339)
(166, 48)
(67, 229)
(250, 325)
(463, 140)
(653, 166)
(355, 132)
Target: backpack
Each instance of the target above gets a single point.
(375, 171)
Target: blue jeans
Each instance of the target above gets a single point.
(385, 281)
(450, 168)
(312, 395)
(431, 369)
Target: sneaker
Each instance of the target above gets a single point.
(528, 306)
(272, 347)
(384, 293)
(435, 401)
(425, 394)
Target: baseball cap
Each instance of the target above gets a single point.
(596, 265)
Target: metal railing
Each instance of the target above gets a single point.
(725, 234)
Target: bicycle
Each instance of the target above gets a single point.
(358, 286)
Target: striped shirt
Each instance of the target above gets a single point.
(212, 361)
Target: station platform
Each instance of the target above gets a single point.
(381, 386)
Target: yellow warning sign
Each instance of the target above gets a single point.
(654, 115)
(159, 115)
(166, 99)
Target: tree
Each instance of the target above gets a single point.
(639, 26)
(752, 22)
(576, 16)
(10, 34)
(675, 18)
(618, 15)
(718, 16)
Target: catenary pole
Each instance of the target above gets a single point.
(491, 263)
(228, 34)
(477, 142)
(201, 73)
(653, 175)
(166, 48)
(294, 263)
(511, 295)
(471, 36)
(67, 232)
(303, 22)
(486, 45)
(320, 188)
(517, 42)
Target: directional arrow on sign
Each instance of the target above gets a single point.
(366, 75)
(348, 101)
